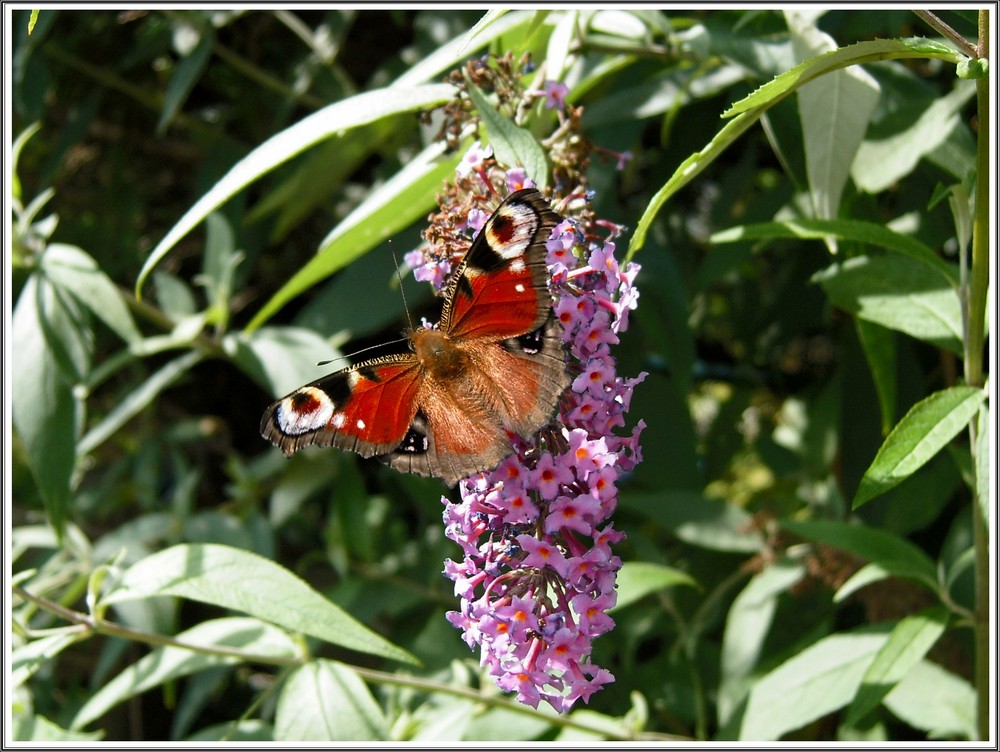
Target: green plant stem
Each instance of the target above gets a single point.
(265, 79)
(89, 625)
(565, 721)
(114, 81)
(974, 375)
(980, 274)
(948, 33)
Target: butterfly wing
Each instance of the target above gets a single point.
(500, 288)
(499, 311)
(366, 408)
(498, 318)
(493, 367)
(463, 425)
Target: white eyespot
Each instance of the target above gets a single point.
(360, 424)
(517, 265)
(338, 420)
(519, 287)
(305, 410)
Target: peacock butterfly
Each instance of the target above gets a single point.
(493, 366)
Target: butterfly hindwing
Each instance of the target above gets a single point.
(462, 425)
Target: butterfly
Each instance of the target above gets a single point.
(493, 366)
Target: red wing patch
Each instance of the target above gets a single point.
(367, 408)
(500, 289)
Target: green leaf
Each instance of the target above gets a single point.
(934, 700)
(637, 579)
(137, 400)
(76, 272)
(44, 410)
(908, 643)
(973, 68)
(747, 625)
(879, 346)
(15, 153)
(346, 114)
(983, 452)
(687, 171)
(400, 202)
(169, 663)
(559, 52)
(174, 296)
(669, 91)
(513, 146)
(42, 731)
(323, 175)
(962, 567)
(922, 433)
(854, 54)
(882, 163)
(817, 681)
(493, 26)
(862, 578)
(854, 230)
(280, 358)
(241, 730)
(898, 294)
(489, 18)
(699, 521)
(219, 260)
(834, 114)
(26, 659)
(749, 110)
(893, 554)
(185, 75)
(595, 729)
(326, 701)
(246, 582)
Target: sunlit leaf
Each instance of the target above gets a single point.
(512, 145)
(637, 579)
(894, 554)
(908, 643)
(899, 294)
(748, 110)
(352, 112)
(326, 701)
(748, 623)
(44, 410)
(243, 581)
(815, 682)
(167, 663)
(922, 433)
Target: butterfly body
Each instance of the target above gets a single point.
(494, 366)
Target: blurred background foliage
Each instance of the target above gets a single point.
(761, 404)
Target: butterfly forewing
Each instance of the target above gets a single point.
(366, 408)
(500, 289)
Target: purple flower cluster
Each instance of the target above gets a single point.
(537, 575)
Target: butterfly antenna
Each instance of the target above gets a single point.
(399, 276)
(362, 350)
(402, 294)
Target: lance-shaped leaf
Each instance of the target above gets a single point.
(922, 433)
